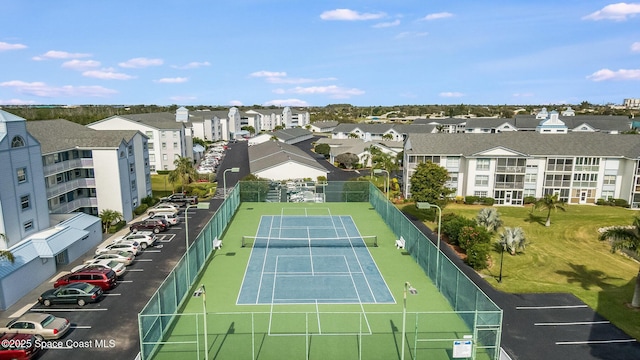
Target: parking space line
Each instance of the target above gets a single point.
(152, 251)
(573, 323)
(110, 294)
(550, 307)
(135, 270)
(69, 310)
(22, 310)
(125, 281)
(594, 342)
(144, 260)
(80, 326)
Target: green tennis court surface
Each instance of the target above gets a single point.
(315, 330)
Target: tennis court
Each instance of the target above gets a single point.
(417, 307)
(302, 259)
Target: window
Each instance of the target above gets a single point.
(152, 157)
(453, 162)
(24, 202)
(175, 134)
(149, 134)
(132, 167)
(607, 195)
(150, 145)
(152, 168)
(609, 180)
(482, 164)
(163, 133)
(176, 157)
(28, 225)
(482, 194)
(165, 157)
(17, 141)
(21, 173)
(130, 150)
(175, 145)
(482, 180)
(530, 178)
(164, 146)
(133, 185)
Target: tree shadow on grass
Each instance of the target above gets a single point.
(587, 278)
(533, 218)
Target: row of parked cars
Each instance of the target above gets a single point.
(86, 283)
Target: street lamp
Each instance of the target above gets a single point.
(412, 291)
(380, 171)
(201, 292)
(426, 205)
(224, 178)
(502, 248)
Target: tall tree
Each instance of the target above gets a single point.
(347, 159)
(109, 217)
(6, 254)
(428, 184)
(183, 171)
(626, 238)
(513, 239)
(550, 202)
(489, 218)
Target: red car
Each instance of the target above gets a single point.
(18, 347)
(155, 225)
(101, 277)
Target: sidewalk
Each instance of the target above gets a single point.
(23, 305)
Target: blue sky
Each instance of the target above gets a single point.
(314, 53)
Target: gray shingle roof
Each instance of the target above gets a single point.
(163, 120)
(528, 143)
(291, 133)
(60, 134)
(273, 153)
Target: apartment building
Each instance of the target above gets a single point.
(88, 171)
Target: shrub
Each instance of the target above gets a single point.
(117, 227)
(418, 214)
(140, 209)
(488, 201)
(452, 225)
(470, 200)
(150, 201)
(469, 236)
(163, 172)
(529, 200)
(620, 202)
(478, 256)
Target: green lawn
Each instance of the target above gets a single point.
(568, 257)
(161, 186)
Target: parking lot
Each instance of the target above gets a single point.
(108, 329)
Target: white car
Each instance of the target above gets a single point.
(124, 257)
(117, 267)
(124, 245)
(165, 208)
(170, 218)
(144, 238)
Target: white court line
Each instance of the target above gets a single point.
(573, 323)
(550, 307)
(69, 310)
(594, 342)
(22, 310)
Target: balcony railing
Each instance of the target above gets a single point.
(68, 165)
(65, 187)
(509, 185)
(68, 207)
(511, 169)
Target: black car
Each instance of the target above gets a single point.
(75, 293)
(155, 225)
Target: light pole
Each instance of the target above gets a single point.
(501, 258)
(201, 292)
(380, 171)
(224, 178)
(426, 205)
(412, 291)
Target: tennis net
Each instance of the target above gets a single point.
(267, 242)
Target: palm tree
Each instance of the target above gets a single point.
(109, 217)
(512, 239)
(183, 171)
(489, 218)
(550, 202)
(626, 238)
(6, 254)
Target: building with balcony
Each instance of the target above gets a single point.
(581, 167)
(88, 171)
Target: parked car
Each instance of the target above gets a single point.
(182, 199)
(170, 218)
(144, 238)
(116, 266)
(123, 245)
(18, 347)
(124, 257)
(44, 326)
(164, 207)
(79, 293)
(155, 225)
(102, 277)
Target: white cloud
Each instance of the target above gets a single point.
(44, 90)
(283, 80)
(387, 24)
(76, 64)
(17, 102)
(286, 102)
(349, 15)
(411, 34)
(523, 95)
(622, 74)
(54, 54)
(141, 63)
(176, 80)
(182, 99)
(436, 16)
(616, 12)
(449, 94)
(6, 46)
(269, 74)
(333, 91)
(635, 47)
(235, 103)
(107, 74)
(192, 65)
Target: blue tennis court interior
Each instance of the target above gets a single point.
(311, 259)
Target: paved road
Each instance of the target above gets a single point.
(550, 326)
